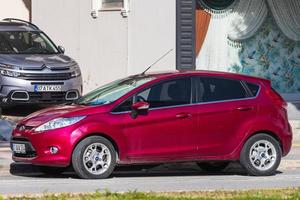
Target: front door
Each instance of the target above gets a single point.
(163, 133)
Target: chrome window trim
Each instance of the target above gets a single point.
(194, 104)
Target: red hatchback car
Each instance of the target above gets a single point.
(211, 118)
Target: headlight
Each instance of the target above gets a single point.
(10, 73)
(76, 71)
(58, 123)
(7, 70)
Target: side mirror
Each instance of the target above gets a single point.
(61, 49)
(139, 108)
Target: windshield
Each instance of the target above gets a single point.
(24, 42)
(113, 91)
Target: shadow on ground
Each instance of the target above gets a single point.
(178, 169)
(20, 111)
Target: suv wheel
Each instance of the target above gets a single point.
(261, 155)
(94, 158)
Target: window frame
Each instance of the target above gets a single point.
(194, 94)
(134, 96)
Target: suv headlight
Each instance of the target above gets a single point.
(59, 123)
(76, 71)
(7, 70)
(10, 73)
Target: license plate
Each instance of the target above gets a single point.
(19, 148)
(47, 88)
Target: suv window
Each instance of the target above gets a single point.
(212, 89)
(169, 93)
(21, 42)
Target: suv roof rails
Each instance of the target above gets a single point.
(23, 21)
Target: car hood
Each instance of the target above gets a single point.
(37, 61)
(40, 117)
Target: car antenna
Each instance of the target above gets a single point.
(144, 72)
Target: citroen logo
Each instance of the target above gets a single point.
(45, 66)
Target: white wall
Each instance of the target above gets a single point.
(152, 32)
(111, 46)
(14, 9)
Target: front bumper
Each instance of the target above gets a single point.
(10, 85)
(38, 147)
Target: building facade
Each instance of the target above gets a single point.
(115, 38)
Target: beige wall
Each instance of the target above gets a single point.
(15, 9)
(110, 46)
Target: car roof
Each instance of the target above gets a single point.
(176, 73)
(16, 26)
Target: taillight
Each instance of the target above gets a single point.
(276, 98)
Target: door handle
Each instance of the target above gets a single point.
(183, 115)
(245, 108)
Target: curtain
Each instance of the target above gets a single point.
(287, 17)
(214, 52)
(202, 23)
(246, 19)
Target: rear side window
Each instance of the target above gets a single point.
(212, 89)
(253, 88)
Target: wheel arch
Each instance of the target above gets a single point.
(106, 136)
(266, 132)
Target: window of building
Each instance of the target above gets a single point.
(112, 4)
(219, 89)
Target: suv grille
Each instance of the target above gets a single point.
(45, 76)
(47, 96)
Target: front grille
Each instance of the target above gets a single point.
(24, 129)
(45, 76)
(47, 96)
(30, 151)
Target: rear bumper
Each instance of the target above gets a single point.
(287, 140)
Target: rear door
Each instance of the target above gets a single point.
(224, 107)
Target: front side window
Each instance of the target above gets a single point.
(113, 91)
(212, 89)
(169, 93)
(24, 42)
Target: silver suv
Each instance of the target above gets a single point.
(33, 70)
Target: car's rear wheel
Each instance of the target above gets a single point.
(94, 158)
(213, 166)
(261, 155)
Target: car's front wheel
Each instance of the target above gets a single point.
(261, 155)
(94, 158)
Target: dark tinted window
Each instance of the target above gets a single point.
(125, 106)
(169, 93)
(219, 89)
(253, 88)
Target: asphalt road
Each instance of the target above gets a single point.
(26, 179)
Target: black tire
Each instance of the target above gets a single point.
(52, 170)
(213, 166)
(78, 163)
(245, 155)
